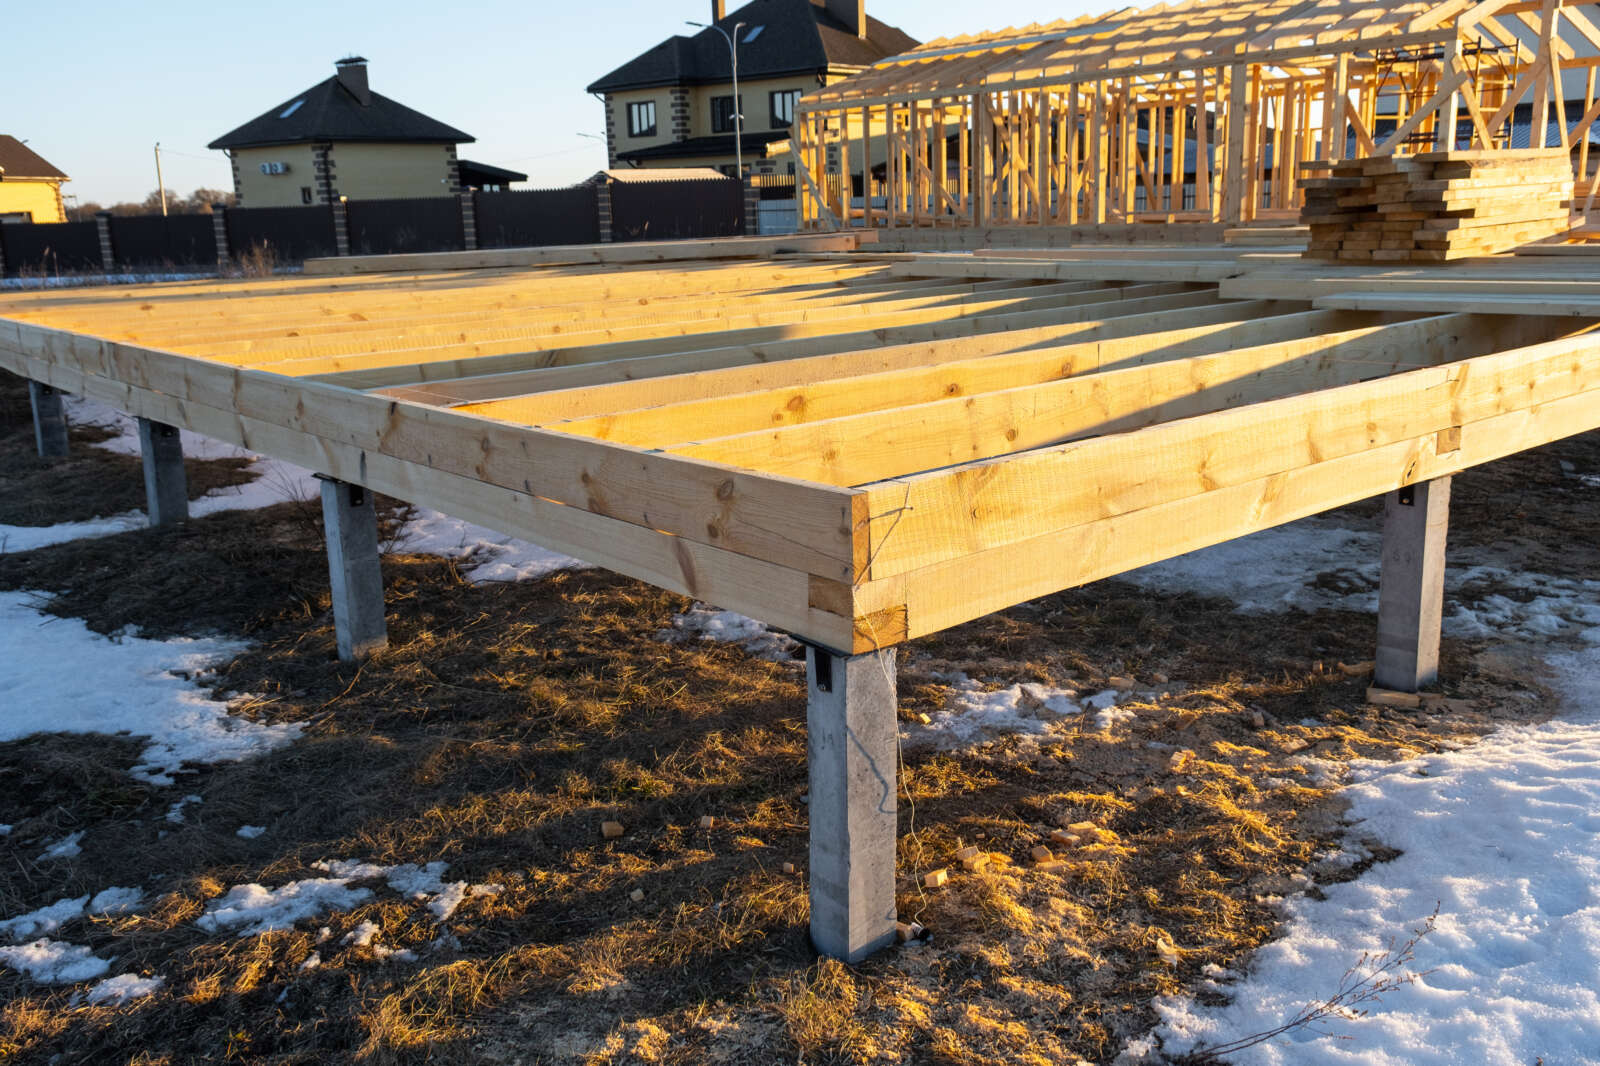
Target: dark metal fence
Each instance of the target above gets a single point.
(157, 240)
(676, 210)
(389, 227)
(285, 236)
(48, 247)
(290, 234)
(539, 217)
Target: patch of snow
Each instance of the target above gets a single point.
(420, 883)
(1504, 838)
(49, 919)
(313, 960)
(123, 988)
(78, 281)
(974, 714)
(59, 677)
(44, 920)
(52, 962)
(175, 812)
(27, 538)
(365, 935)
(1316, 564)
(5, 830)
(250, 832)
(250, 909)
(362, 935)
(702, 622)
(65, 848)
(117, 901)
(499, 558)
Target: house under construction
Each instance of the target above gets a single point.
(1190, 112)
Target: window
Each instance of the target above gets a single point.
(722, 114)
(642, 119)
(305, 194)
(783, 108)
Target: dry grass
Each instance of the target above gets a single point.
(506, 722)
(91, 483)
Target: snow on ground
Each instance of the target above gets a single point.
(52, 962)
(1504, 837)
(65, 848)
(77, 281)
(59, 677)
(250, 909)
(123, 988)
(1274, 570)
(702, 622)
(500, 558)
(973, 714)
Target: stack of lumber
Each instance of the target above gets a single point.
(1435, 206)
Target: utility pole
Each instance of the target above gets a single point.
(160, 186)
(738, 110)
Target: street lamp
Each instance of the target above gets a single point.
(738, 110)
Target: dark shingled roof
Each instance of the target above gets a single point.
(331, 112)
(797, 36)
(17, 160)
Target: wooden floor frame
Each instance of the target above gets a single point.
(857, 448)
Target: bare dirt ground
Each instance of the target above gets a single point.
(506, 722)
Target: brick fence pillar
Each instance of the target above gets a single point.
(752, 207)
(341, 227)
(108, 254)
(469, 220)
(219, 233)
(603, 209)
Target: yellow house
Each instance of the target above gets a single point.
(673, 105)
(339, 138)
(30, 188)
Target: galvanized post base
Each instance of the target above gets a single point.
(852, 750)
(351, 526)
(1411, 593)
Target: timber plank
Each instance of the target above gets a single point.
(980, 505)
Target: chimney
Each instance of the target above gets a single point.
(352, 72)
(853, 13)
(719, 10)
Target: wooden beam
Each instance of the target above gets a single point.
(635, 252)
(781, 595)
(879, 445)
(1005, 361)
(976, 506)
(720, 507)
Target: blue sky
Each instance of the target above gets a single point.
(94, 85)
